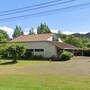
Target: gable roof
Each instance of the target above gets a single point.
(63, 45)
(36, 37)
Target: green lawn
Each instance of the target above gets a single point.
(43, 82)
(27, 77)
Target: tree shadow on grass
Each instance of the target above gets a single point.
(8, 63)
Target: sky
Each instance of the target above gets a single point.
(72, 20)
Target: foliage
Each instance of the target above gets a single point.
(66, 56)
(38, 57)
(28, 54)
(43, 28)
(17, 32)
(15, 51)
(85, 42)
(3, 36)
(62, 36)
(12, 51)
(31, 31)
(88, 45)
(53, 58)
(76, 41)
(3, 53)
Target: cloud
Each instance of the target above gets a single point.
(69, 32)
(54, 30)
(64, 32)
(8, 30)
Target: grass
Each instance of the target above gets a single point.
(36, 80)
(21, 62)
(43, 82)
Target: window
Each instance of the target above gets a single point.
(36, 50)
(39, 50)
(31, 50)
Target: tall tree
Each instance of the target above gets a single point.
(31, 31)
(43, 28)
(3, 36)
(74, 41)
(17, 32)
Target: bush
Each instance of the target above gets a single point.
(66, 56)
(15, 51)
(53, 58)
(12, 51)
(27, 55)
(3, 51)
(37, 57)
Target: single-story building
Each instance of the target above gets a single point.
(46, 45)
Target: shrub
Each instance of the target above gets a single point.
(27, 55)
(66, 56)
(16, 51)
(37, 57)
(12, 51)
(3, 51)
(53, 58)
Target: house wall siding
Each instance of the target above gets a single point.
(49, 49)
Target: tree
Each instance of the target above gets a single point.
(31, 31)
(62, 36)
(15, 51)
(3, 36)
(76, 41)
(17, 32)
(80, 42)
(43, 28)
(88, 45)
(3, 50)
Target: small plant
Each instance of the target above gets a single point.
(66, 56)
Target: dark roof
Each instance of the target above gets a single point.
(36, 37)
(63, 45)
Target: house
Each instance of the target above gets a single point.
(46, 45)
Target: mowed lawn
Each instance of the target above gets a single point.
(46, 75)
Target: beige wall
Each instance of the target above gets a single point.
(49, 49)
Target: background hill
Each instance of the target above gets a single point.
(82, 35)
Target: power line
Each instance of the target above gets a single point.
(48, 11)
(39, 7)
(26, 7)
